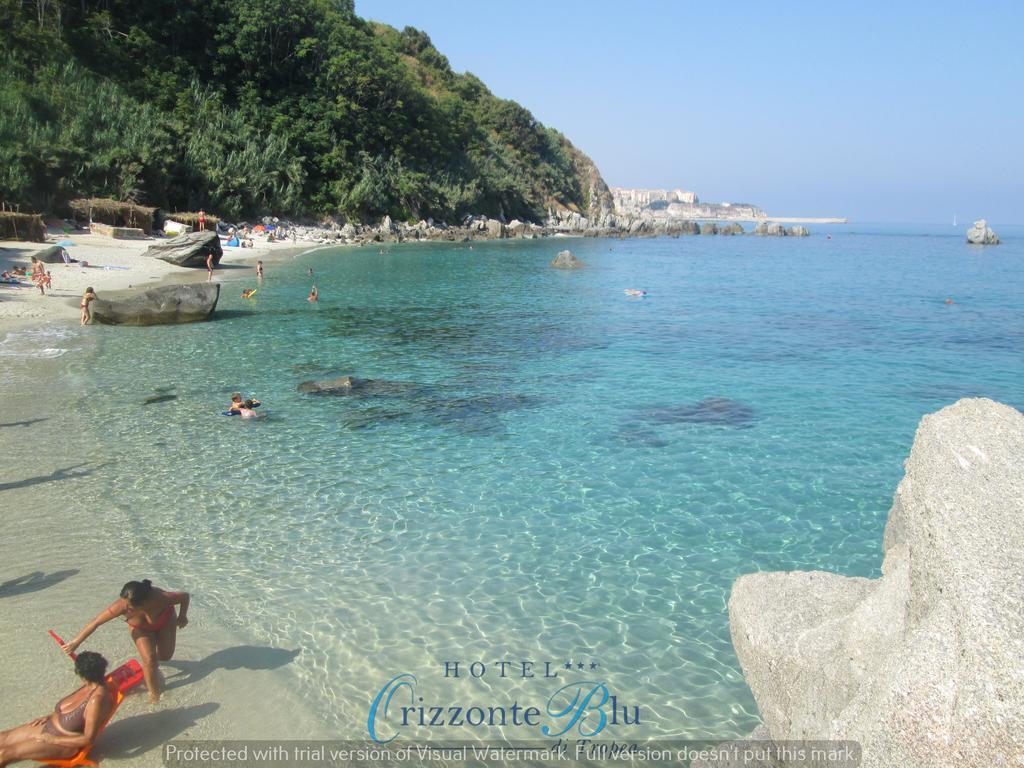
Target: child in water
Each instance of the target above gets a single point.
(237, 404)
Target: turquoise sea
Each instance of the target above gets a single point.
(548, 470)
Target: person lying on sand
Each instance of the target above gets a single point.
(74, 723)
(154, 625)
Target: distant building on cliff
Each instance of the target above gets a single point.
(677, 203)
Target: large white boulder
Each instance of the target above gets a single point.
(925, 665)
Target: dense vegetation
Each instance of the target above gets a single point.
(255, 106)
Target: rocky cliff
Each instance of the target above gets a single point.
(923, 666)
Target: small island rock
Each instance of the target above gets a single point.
(565, 260)
(982, 234)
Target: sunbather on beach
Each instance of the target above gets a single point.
(87, 298)
(150, 613)
(74, 723)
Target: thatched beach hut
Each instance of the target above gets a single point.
(114, 212)
(22, 226)
(192, 219)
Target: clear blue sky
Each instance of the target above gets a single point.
(900, 111)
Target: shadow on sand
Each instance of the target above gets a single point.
(239, 657)
(67, 473)
(33, 582)
(25, 423)
(133, 736)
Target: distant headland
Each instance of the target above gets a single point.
(682, 204)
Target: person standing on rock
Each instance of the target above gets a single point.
(87, 298)
(202, 221)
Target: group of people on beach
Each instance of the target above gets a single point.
(154, 616)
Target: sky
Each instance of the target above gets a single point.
(901, 111)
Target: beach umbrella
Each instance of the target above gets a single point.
(66, 243)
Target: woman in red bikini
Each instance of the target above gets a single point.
(149, 612)
(73, 724)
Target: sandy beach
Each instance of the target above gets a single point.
(114, 265)
(65, 569)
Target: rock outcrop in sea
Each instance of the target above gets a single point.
(565, 260)
(165, 305)
(981, 234)
(923, 666)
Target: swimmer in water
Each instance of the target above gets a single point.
(237, 404)
(634, 292)
(313, 295)
(247, 410)
(248, 292)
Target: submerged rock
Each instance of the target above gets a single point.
(710, 410)
(158, 399)
(188, 250)
(565, 260)
(982, 234)
(923, 665)
(350, 385)
(168, 304)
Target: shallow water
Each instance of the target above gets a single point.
(554, 471)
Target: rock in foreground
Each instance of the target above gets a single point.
(565, 260)
(923, 665)
(981, 234)
(166, 305)
(188, 250)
